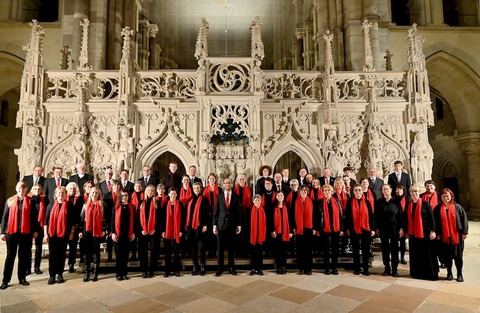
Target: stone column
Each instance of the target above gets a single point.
(299, 52)
(81, 10)
(471, 146)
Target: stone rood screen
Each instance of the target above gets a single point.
(228, 117)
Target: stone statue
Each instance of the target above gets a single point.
(33, 148)
(421, 159)
(79, 148)
(124, 149)
(375, 147)
(329, 144)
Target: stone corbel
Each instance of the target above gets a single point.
(470, 142)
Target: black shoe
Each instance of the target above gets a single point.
(86, 277)
(366, 273)
(29, 271)
(60, 279)
(460, 278)
(3, 286)
(218, 273)
(51, 281)
(260, 272)
(387, 273)
(252, 272)
(284, 270)
(71, 269)
(176, 273)
(327, 272)
(309, 272)
(403, 261)
(24, 282)
(232, 271)
(166, 274)
(202, 270)
(301, 272)
(357, 272)
(95, 276)
(144, 275)
(38, 271)
(126, 277)
(119, 278)
(450, 276)
(395, 274)
(334, 271)
(150, 274)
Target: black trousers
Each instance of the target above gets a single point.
(403, 247)
(226, 239)
(331, 248)
(92, 249)
(122, 248)
(362, 241)
(280, 249)
(58, 251)
(304, 250)
(72, 249)
(171, 246)
(23, 244)
(196, 243)
(144, 242)
(38, 250)
(256, 257)
(390, 252)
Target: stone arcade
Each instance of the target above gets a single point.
(229, 116)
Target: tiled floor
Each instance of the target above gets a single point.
(243, 293)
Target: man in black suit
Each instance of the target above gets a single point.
(81, 177)
(398, 177)
(106, 188)
(172, 179)
(227, 224)
(35, 178)
(125, 184)
(277, 182)
(327, 177)
(192, 174)
(347, 170)
(375, 183)
(301, 176)
(52, 183)
(286, 181)
(149, 179)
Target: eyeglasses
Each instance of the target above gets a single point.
(123, 195)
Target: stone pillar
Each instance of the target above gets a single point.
(299, 52)
(436, 13)
(471, 146)
(114, 39)
(98, 34)
(81, 10)
(154, 53)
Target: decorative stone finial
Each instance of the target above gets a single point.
(201, 47)
(258, 50)
(83, 59)
(368, 55)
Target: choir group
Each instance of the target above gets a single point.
(296, 217)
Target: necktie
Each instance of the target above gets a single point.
(146, 181)
(327, 181)
(109, 187)
(191, 180)
(227, 200)
(373, 181)
(58, 182)
(399, 176)
(124, 185)
(279, 187)
(35, 181)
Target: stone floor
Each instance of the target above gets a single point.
(243, 293)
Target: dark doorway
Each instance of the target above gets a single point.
(292, 161)
(160, 166)
(452, 184)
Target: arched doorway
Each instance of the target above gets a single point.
(292, 161)
(160, 166)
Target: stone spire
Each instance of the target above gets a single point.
(368, 54)
(201, 47)
(65, 60)
(83, 58)
(125, 110)
(330, 93)
(258, 50)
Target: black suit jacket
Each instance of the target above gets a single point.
(29, 181)
(227, 219)
(81, 181)
(152, 180)
(286, 187)
(129, 187)
(49, 187)
(404, 180)
(376, 187)
(195, 180)
(330, 181)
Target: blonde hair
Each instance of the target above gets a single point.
(89, 200)
(11, 200)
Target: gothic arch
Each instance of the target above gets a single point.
(163, 144)
(459, 85)
(11, 69)
(307, 154)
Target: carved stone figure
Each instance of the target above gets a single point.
(79, 148)
(124, 148)
(33, 148)
(421, 159)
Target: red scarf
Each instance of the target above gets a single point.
(415, 226)
(326, 216)
(246, 200)
(206, 193)
(370, 198)
(58, 220)
(274, 195)
(258, 229)
(195, 222)
(172, 228)
(280, 219)
(161, 200)
(342, 197)
(316, 193)
(152, 219)
(13, 216)
(360, 216)
(289, 199)
(185, 195)
(94, 218)
(114, 197)
(118, 219)
(303, 214)
(402, 203)
(431, 198)
(449, 224)
(348, 189)
(75, 198)
(85, 197)
(41, 210)
(135, 201)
